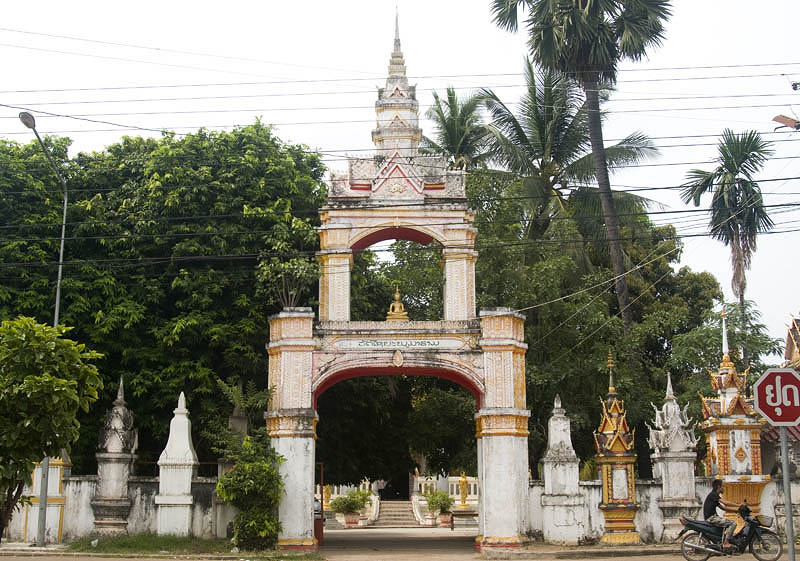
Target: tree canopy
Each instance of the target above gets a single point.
(178, 249)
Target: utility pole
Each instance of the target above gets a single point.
(28, 120)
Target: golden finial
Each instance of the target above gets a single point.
(610, 365)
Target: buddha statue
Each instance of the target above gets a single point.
(397, 311)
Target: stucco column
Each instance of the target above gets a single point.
(504, 496)
(459, 283)
(334, 284)
(291, 423)
(336, 261)
(458, 262)
(503, 430)
(293, 433)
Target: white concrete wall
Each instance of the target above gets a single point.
(78, 515)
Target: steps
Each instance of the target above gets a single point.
(396, 514)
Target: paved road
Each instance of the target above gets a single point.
(433, 544)
(420, 544)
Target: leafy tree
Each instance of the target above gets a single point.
(178, 250)
(737, 208)
(45, 379)
(546, 145)
(586, 40)
(460, 134)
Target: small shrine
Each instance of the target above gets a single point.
(674, 447)
(733, 433)
(616, 458)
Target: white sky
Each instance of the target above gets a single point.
(313, 67)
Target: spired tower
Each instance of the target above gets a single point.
(733, 433)
(400, 194)
(613, 441)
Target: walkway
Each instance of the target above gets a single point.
(438, 544)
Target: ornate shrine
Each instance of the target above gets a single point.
(733, 433)
(616, 458)
(401, 194)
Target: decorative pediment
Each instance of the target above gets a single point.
(739, 406)
(397, 93)
(397, 122)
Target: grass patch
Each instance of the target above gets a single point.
(151, 544)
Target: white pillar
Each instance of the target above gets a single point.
(293, 437)
(504, 446)
(562, 504)
(177, 465)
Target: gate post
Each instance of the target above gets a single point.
(291, 423)
(503, 430)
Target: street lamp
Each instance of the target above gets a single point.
(28, 120)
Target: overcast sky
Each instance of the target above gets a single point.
(311, 68)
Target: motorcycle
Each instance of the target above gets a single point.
(703, 540)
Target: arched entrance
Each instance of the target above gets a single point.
(401, 194)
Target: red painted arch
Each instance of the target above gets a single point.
(438, 372)
(393, 233)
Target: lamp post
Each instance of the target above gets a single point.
(28, 120)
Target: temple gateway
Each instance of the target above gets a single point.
(401, 194)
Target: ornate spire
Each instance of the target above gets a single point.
(726, 363)
(670, 395)
(120, 401)
(397, 64)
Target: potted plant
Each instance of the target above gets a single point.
(350, 505)
(440, 502)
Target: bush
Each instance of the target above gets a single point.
(353, 501)
(439, 501)
(253, 484)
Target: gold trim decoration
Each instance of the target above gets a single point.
(502, 425)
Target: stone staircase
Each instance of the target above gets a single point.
(396, 514)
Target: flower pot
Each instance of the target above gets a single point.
(351, 519)
(445, 519)
(430, 520)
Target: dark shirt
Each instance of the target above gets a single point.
(710, 505)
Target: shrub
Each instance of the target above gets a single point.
(439, 501)
(253, 484)
(353, 501)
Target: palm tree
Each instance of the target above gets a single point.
(586, 39)
(460, 133)
(737, 208)
(546, 144)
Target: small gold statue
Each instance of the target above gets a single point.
(397, 311)
(463, 489)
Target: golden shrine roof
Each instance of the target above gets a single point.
(792, 353)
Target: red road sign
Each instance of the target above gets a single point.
(777, 396)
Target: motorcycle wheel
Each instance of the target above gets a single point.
(766, 547)
(691, 554)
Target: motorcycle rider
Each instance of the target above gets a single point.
(712, 503)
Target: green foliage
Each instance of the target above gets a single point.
(354, 501)
(588, 471)
(737, 208)
(45, 379)
(253, 484)
(178, 250)
(460, 134)
(439, 502)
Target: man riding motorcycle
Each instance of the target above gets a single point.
(711, 504)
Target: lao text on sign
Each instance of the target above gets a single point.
(777, 396)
